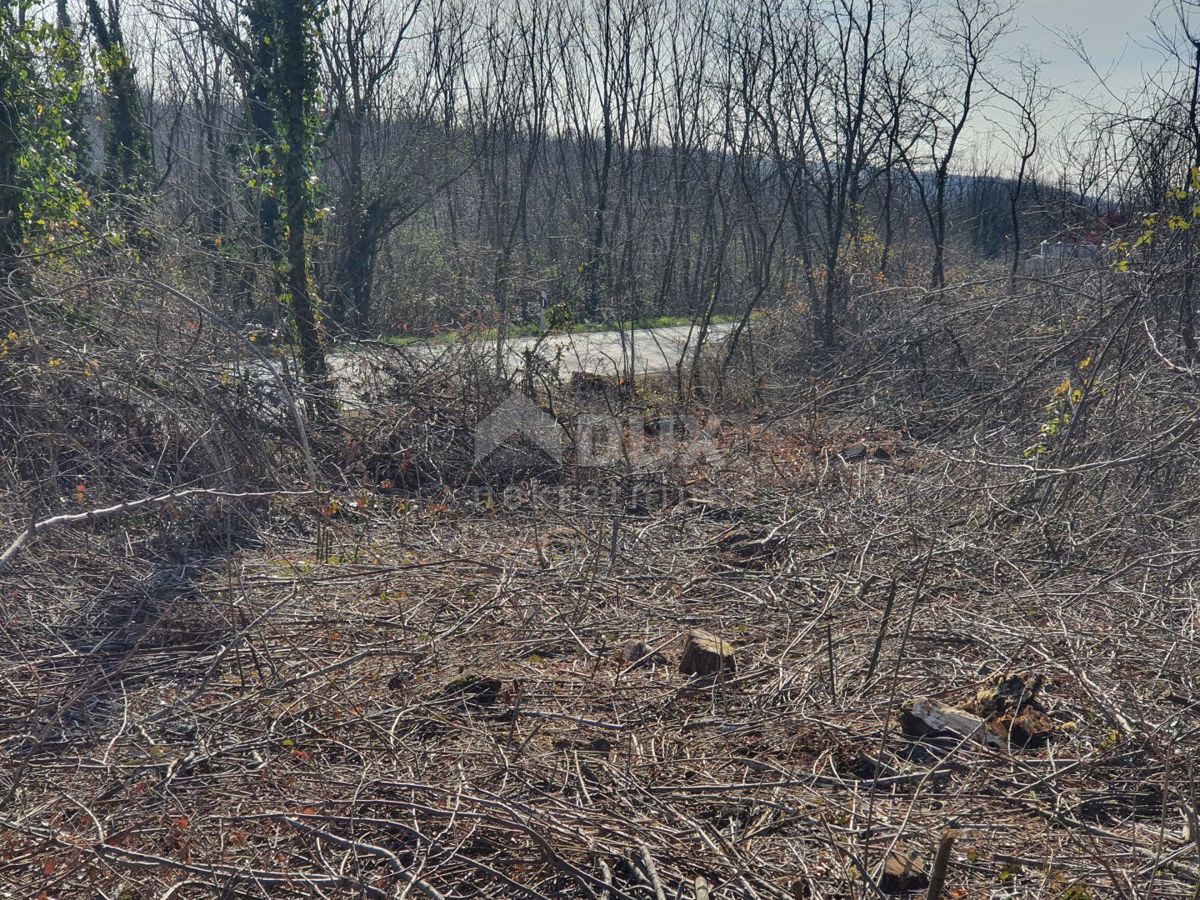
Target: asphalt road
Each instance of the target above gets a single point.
(655, 350)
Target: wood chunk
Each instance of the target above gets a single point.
(854, 453)
(639, 655)
(941, 864)
(748, 547)
(1029, 729)
(864, 452)
(1178, 699)
(706, 654)
(929, 717)
(1006, 693)
(1010, 703)
(903, 872)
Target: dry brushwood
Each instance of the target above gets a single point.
(424, 685)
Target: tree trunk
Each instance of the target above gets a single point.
(833, 278)
(595, 263)
(1015, 213)
(294, 89)
(1187, 313)
(10, 193)
(128, 146)
(937, 278)
(261, 112)
(347, 306)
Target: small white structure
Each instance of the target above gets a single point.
(1054, 256)
(1072, 250)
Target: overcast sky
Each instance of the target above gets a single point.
(1119, 39)
(1118, 35)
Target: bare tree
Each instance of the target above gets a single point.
(1187, 313)
(128, 148)
(360, 42)
(967, 41)
(1029, 98)
(853, 31)
(899, 69)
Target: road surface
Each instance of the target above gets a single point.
(655, 350)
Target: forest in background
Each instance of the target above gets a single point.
(628, 160)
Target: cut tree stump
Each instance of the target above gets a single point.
(1029, 729)
(706, 654)
(854, 453)
(1005, 693)
(1010, 704)
(750, 547)
(903, 872)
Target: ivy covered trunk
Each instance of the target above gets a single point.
(127, 146)
(296, 84)
(261, 108)
(10, 193)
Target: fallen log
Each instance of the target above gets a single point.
(928, 717)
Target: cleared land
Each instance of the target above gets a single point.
(477, 690)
